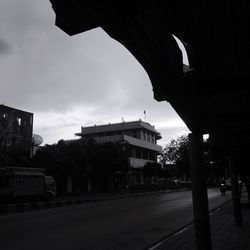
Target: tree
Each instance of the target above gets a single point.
(107, 161)
(82, 158)
(151, 169)
(176, 155)
(56, 162)
(176, 159)
(215, 160)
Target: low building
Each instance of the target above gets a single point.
(138, 138)
(16, 128)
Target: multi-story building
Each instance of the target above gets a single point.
(16, 128)
(139, 138)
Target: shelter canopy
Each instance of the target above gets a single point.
(214, 95)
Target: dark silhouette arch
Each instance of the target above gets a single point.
(213, 98)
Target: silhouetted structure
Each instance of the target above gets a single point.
(212, 98)
(15, 131)
(138, 138)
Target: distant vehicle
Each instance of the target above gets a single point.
(24, 184)
(223, 188)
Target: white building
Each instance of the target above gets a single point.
(138, 137)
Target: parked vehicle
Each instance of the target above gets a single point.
(22, 184)
(50, 187)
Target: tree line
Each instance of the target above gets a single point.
(87, 158)
(82, 158)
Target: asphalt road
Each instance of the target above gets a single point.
(129, 223)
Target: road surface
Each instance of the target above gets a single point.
(128, 223)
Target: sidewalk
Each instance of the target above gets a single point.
(225, 235)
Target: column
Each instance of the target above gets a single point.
(199, 193)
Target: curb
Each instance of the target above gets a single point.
(26, 207)
(6, 209)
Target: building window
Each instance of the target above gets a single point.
(148, 137)
(153, 139)
(129, 151)
(138, 153)
(145, 154)
(152, 156)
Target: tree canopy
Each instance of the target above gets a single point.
(151, 169)
(81, 157)
(176, 157)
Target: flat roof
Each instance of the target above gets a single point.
(118, 127)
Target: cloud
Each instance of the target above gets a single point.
(173, 133)
(64, 123)
(5, 48)
(69, 82)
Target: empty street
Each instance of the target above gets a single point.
(126, 223)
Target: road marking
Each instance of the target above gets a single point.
(214, 211)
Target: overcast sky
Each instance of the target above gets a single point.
(69, 82)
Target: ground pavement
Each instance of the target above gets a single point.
(225, 235)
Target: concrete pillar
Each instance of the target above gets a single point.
(199, 193)
(141, 134)
(235, 191)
